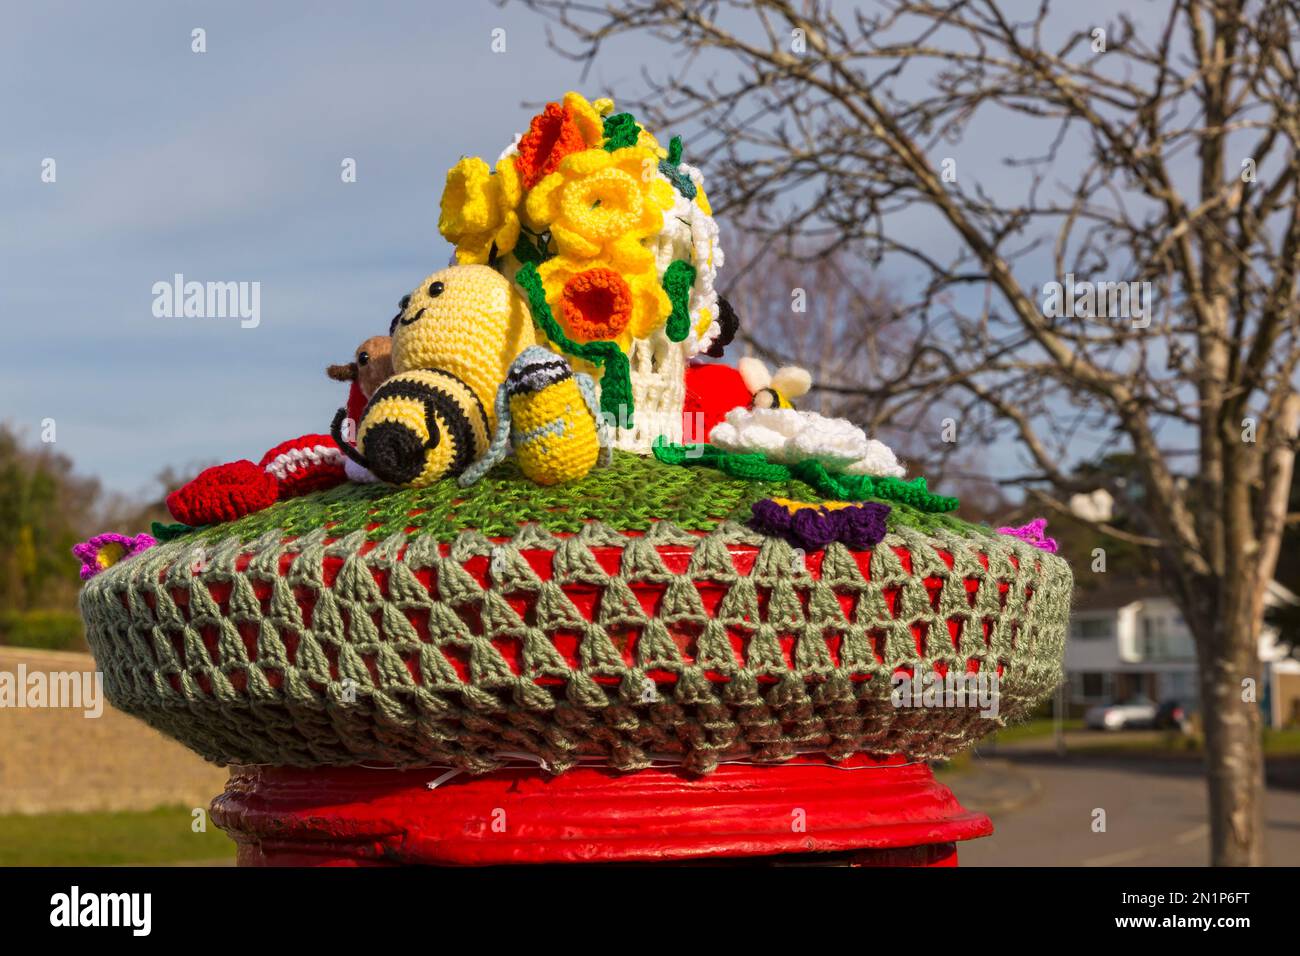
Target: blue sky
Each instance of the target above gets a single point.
(225, 166)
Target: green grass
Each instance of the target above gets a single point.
(1033, 729)
(958, 763)
(1277, 743)
(104, 839)
(46, 630)
(627, 496)
(1282, 743)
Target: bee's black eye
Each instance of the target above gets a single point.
(363, 358)
(406, 300)
(435, 289)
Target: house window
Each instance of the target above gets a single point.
(1092, 628)
(1093, 685)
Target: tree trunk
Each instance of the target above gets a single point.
(1228, 654)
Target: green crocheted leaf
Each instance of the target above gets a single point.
(681, 182)
(621, 130)
(677, 282)
(754, 466)
(169, 532)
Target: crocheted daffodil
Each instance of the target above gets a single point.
(612, 240)
(603, 203)
(479, 209)
(595, 300)
(560, 130)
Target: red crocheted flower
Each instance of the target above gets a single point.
(596, 304)
(306, 464)
(223, 493)
(552, 135)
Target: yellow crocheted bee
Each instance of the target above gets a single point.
(419, 427)
(466, 320)
(550, 415)
(453, 342)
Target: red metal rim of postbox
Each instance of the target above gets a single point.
(881, 810)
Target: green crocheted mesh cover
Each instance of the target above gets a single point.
(342, 628)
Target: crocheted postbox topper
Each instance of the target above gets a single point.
(614, 592)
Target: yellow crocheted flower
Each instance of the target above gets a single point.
(599, 203)
(586, 117)
(702, 201)
(645, 140)
(479, 209)
(594, 299)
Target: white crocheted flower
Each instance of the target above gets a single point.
(787, 435)
(691, 234)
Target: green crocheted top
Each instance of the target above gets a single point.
(628, 496)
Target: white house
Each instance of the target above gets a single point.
(1130, 640)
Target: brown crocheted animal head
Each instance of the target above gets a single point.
(371, 367)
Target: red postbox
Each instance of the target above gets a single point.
(711, 696)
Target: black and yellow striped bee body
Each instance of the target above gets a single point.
(419, 427)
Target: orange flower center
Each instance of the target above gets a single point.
(596, 304)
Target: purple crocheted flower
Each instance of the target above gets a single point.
(105, 550)
(813, 527)
(1032, 533)
(770, 518)
(863, 525)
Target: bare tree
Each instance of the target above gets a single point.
(833, 315)
(1165, 152)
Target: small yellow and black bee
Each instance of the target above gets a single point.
(418, 427)
(773, 391)
(549, 415)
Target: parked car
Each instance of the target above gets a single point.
(1174, 715)
(1132, 713)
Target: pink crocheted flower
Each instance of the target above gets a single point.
(105, 550)
(1032, 533)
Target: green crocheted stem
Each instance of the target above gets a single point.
(621, 130)
(677, 282)
(755, 467)
(675, 150)
(616, 382)
(527, 252)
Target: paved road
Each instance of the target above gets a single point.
(1155, 814)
